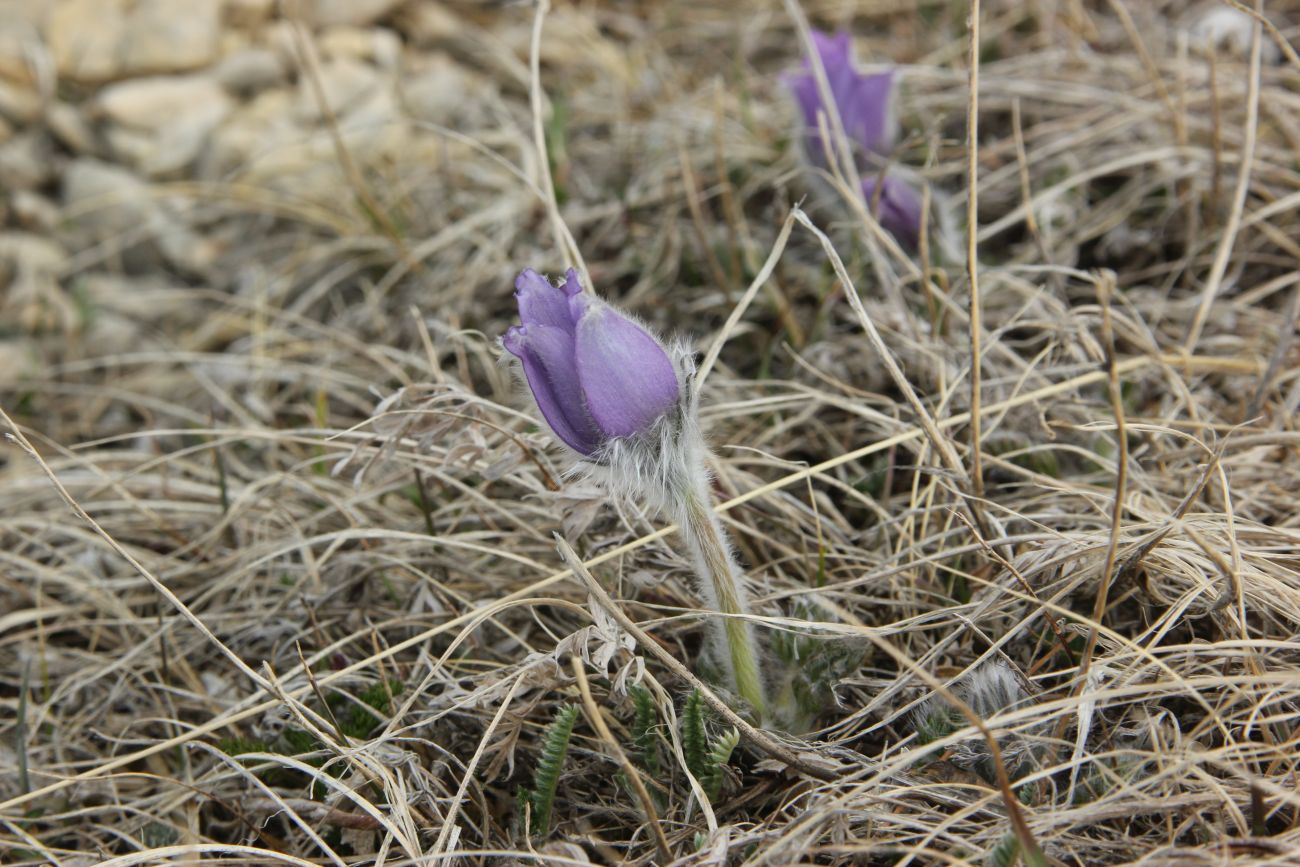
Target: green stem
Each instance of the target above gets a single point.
(704, 533)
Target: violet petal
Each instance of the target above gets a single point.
(898, 208)
(864, 102)
(548, 356)
(542, 303)
(626, 375)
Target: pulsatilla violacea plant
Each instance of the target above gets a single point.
(625, 404)
(867, 111)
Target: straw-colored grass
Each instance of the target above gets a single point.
(278, 581)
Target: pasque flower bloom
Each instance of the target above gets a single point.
(596, 375)
(865, 104)
(612, 392)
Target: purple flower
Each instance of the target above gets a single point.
(897, 206)
(864, 102)
(595, 374)
(865, 106)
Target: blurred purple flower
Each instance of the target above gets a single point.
(897, 206)
(863, 101)
(865, 106)
(595, 374)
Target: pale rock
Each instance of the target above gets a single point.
(371, 129)
(442, 92)
(375, 45)
(250, 70)
(25, 162)
(29, 282)
(86, 36)
(247, 13)
(70, 127)
(428, 24)
(155, 103)
(343, 82)
(19, 360)
(254, 133)
(324, 13)
(101, 40)
(111, 203)
(34, 211)
(23, 55)
(161, 123)
(172, 35)
(19, 103)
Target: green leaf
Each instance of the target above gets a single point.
(555, 748)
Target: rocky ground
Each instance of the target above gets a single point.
(278, 578)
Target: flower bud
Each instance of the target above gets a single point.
(596, 375)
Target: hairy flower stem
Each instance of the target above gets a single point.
(721, 580)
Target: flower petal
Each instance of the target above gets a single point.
(864, 102)
(547, 353)
(541, 303)
(626, 375)
(898, 208)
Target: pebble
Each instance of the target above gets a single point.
(250, 70)
(95, 41)
(19, 104)
(29, 273)
(247, 14)
(23, 55)
(85, 38)
(69, 126)
(324, 13)
(172, 35)
(25, 162)
(442, 92)
(343, 81)
(161, 123)
(375, 45)
(34, 211)
(110, 203)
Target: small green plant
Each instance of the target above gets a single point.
(1006, 853)
(644, 721)
(705, 757)
(813, 666)
(535, 804)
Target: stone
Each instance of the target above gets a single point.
(94, 41)
(172, 35)
(154, 103)
(22, 52)
(442, 92)
(428, 24)
(247, 13)
(108, 202)
(161, 123)
(29, 282)
(344, 84)
(34, 212)
(250, 70)
(67, 124)
(85, 37)
(374, 45)
(256, 133)
(25, 162)
(324, 13)
(19, 103)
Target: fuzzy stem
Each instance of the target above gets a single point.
(719, 573)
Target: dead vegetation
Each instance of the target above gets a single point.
(279, 582)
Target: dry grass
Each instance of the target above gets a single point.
(250, 508)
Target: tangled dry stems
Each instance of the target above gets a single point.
(326, 464)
